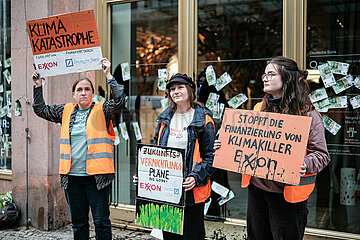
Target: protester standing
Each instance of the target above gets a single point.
(188, 125)
(277, 210)
(86, 150)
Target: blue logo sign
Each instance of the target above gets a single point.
(69, 62)
(176, 191)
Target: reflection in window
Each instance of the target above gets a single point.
(237, 37)
(5, 86)
(333, 43)
(144, 34)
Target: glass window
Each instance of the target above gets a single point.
(5, 85)
(237, 37)
(145, 35)
(333, 38)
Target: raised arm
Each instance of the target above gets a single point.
(114, 105)
(51, 113)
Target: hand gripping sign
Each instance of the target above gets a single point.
(65, 43)
(262, 144)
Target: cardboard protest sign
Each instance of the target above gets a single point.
(263, 144)
(160, 197)
(65, 43)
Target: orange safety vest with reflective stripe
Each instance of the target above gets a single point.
(292, 193)
(100, 142)
(203, 191)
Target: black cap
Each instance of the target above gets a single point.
(180, 78)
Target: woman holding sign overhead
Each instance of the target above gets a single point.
(187, 124)
(86, 150)
(276, 210)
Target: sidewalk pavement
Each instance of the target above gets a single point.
(66, 233)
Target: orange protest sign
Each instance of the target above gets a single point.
(63, 32)
(263, 144)
(65, 43)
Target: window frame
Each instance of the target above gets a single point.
(294, 47)
(6, 174)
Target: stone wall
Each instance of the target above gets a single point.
(47, 205)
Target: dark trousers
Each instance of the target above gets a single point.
(194, 228)
(269, 216)
(82, 194)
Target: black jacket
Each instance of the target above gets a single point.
(206, 136)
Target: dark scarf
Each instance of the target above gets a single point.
(275, 101)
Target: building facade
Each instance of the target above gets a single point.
(237, 37)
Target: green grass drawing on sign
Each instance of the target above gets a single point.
(162, 217)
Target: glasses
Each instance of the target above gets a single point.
(268, 76)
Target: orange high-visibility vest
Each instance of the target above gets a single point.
(292, 193)
(203, 191)
(100, 142)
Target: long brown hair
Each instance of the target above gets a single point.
(192, 98)
(295, 90)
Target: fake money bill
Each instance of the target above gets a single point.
(117, 138)
(137, 130)
(321, 104)
(218, 110)
(163, 73)
(124, 132)
(323, 110)
(164, 103)
(228, 197)
(339, 67)
(318, 94)
(162, 78)
(7, 76)
(7, 63)
(210, 75)
(343, 83)
(1, 88)
(98, 99)
(236, 101)
(222, 81)
(330, 125)
(326, 75)
(125, 71)
(162, 84)
(212, 100)
(355, 101)
(8, 145)
(357, 82)
(8, 97)
(4, 111)
(206, 208)
(219, 189)
(17, 108)
(338, 102)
